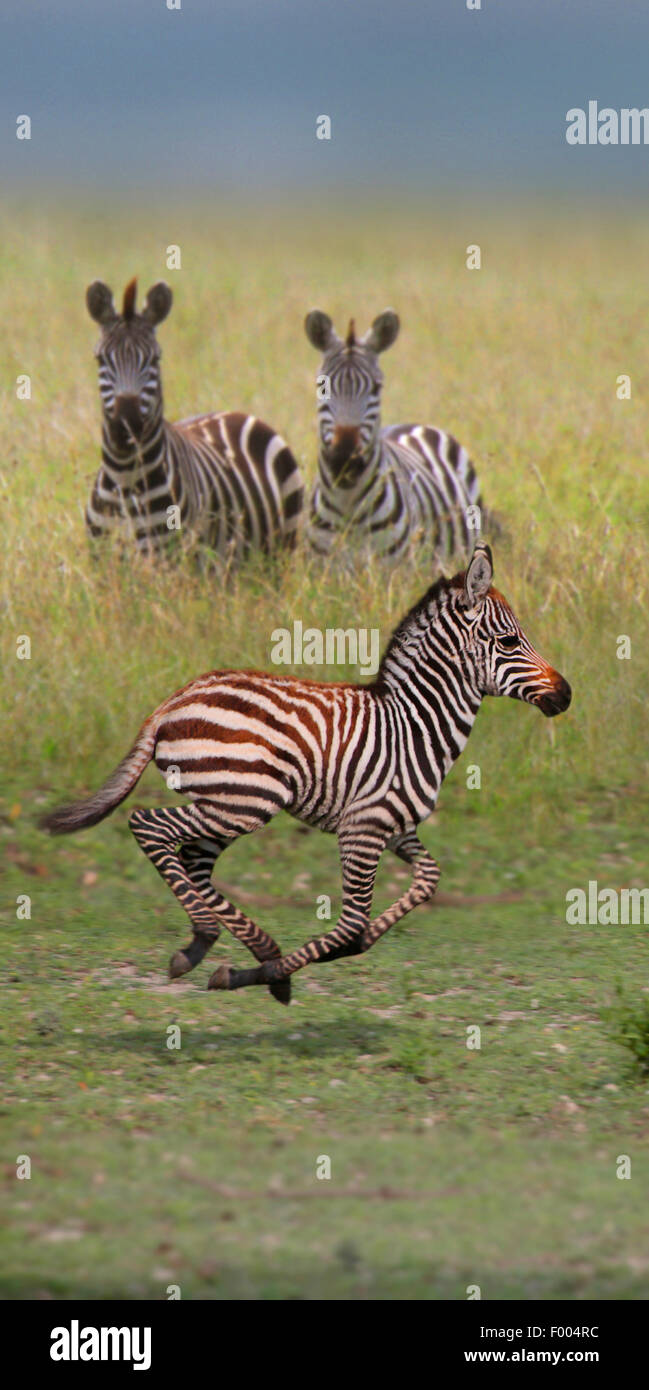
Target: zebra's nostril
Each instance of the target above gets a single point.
(557, 700)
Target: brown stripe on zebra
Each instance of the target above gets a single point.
(364, 762)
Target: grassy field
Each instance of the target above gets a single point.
(197, 1167)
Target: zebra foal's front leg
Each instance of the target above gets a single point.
(360, 851)
(421, 890)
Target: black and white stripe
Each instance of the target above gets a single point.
(225, 480)
(382, 489)
(363, 762)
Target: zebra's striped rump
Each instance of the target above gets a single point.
(253, 744)
(363, 761)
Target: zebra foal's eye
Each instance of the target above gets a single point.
(509, 641)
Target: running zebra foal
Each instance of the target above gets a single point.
(364, 762)
(382, 488)
(225, 480)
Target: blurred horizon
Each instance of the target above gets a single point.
(426, 101)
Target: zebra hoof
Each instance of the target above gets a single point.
(281, 991)
(179, 965)
(220, 978)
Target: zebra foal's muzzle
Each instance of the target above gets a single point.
(555, 701)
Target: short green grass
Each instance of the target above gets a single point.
(197, 1167)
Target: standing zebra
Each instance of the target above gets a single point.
(363, 762)
(226, 480)
(381, 487)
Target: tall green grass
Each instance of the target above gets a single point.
(520, 360)
(498, 1166)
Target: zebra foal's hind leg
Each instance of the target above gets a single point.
(198, 857)
(187, 871)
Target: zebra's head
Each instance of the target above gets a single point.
(349, 398)
(129, 360)
(494, 647)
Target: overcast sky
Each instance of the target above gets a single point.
(224, 94)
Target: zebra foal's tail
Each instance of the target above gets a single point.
(80, 814)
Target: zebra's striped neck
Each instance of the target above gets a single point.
(130, 457)
(359, 479)
(430, 676)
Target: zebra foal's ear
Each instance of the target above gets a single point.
(157, 303)
(479, 575)
(320, 330)
(383, 332)
(99, 303)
